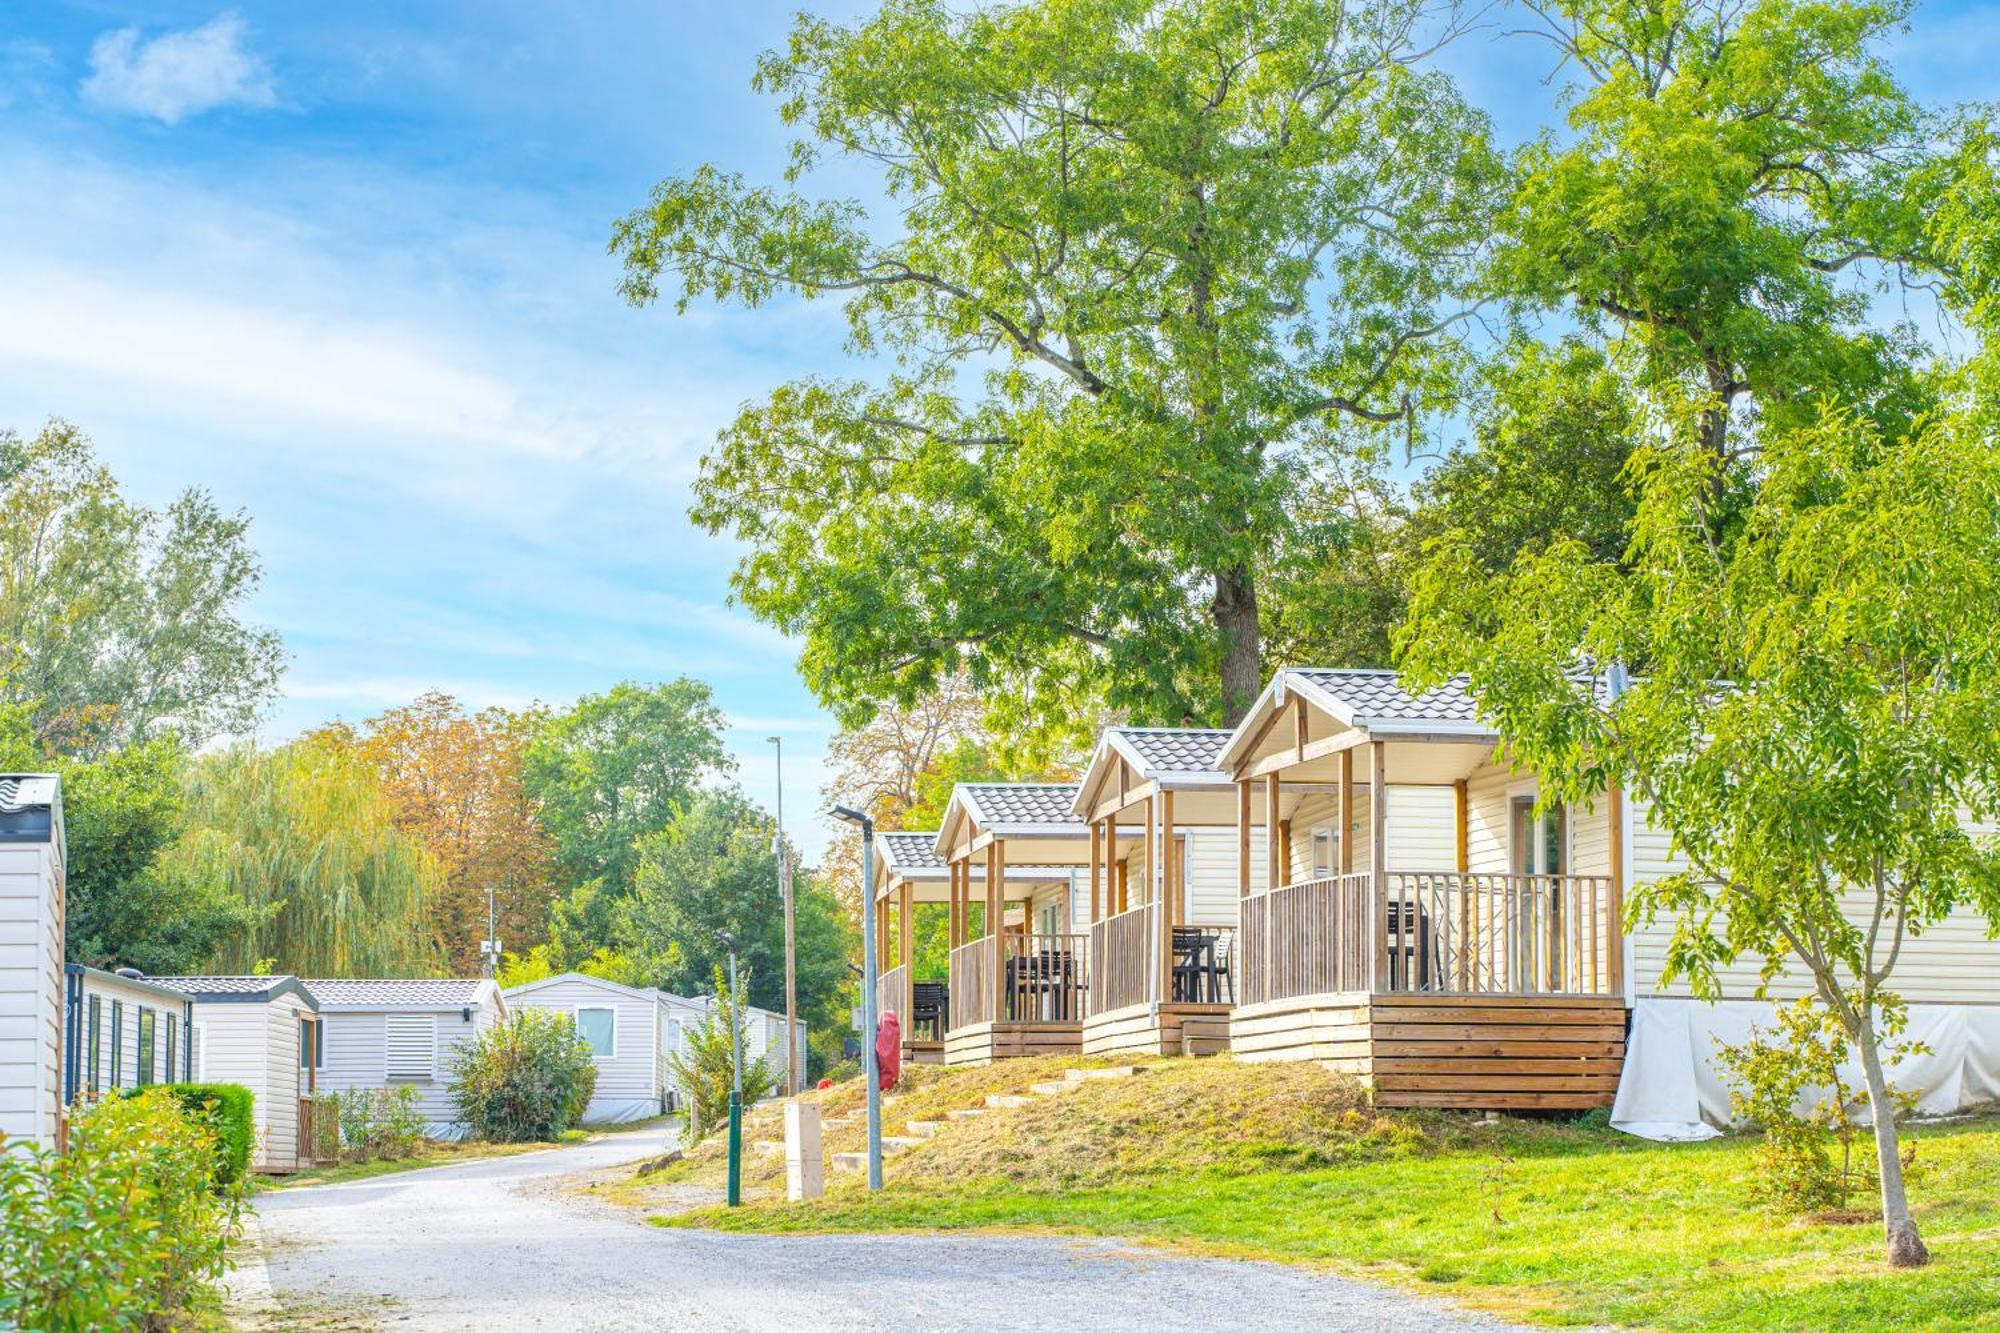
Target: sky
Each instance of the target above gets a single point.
(344, 268)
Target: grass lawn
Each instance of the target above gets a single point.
(1548, 1222)
(435, 1152)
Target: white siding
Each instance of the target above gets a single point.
(633, 1073)
(106, 989)
(236, 1040)
(357, 1057)
(1420, 826)
(1953, 963)
(31, 991)
(284, 1081)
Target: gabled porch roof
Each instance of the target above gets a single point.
(912, 858)
(1033, 818)
(1133, 764)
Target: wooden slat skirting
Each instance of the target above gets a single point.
(983, 1043)
(1158, 1029)
(1478, 1052)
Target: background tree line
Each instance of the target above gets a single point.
(606, 830)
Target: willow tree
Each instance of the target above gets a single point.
(306, 836)
(1125, 263)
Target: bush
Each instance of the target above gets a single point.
(125, 1231)
(230, 1112)
(526, 1079)
(1798, 1065)
(707, 1071)
(379, 1124)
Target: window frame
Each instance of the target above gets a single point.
(576, 1016)
(172, 1044)
(145, 1031)
(117, 1045)
(94, 1082)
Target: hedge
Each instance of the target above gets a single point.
(230, 1112)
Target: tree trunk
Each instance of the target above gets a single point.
(1243, 644)
(1905, 1247)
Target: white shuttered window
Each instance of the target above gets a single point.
(412, 1042)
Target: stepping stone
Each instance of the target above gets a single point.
(1114, 1071)
(770, 1147)
(964, 1115)
(923, 1129)
(891, 1098)
(838, 1122)
(850, 1161)
(898, 1142)
(1007, 1101)
(1053, 1089)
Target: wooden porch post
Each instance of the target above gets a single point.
(1114, 869)
(1347, 811)
(1096, 878)
(1464, 863)
(1163, 975)
(1150, 883)
(1242, 841)
(1275, 874)
(1614, 902)
(996, 894)
(906, 947)
(1378, 854)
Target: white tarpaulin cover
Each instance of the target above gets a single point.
(1672, 1088)
(620, 1110)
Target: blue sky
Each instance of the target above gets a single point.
(344, 267)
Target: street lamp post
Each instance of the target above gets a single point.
(794, 1058)
(729, 1013)
(868, 1063)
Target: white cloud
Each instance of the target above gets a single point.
(178, 74)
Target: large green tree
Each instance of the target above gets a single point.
(1130, 259)
(119, 623)
(606, 773)
(712, 872)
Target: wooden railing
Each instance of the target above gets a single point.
(1431, 931)
(972, 983)
(1500, 934)
(889, 996)
(1047, 980)
(1305, 939)
(1124, 950)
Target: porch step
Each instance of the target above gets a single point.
(924, 1129)
(1007, 1101)
(1202, 1046)
(1054, 1088)
(891, 1098)
(858, 1161)
(770, 1147)
(898, 1142)
(965, 1114)
(1112, 1071)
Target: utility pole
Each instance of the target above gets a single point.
(870, 1071)
(794, 1058)
(489, 948)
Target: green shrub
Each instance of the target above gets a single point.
(526, 1079)
(230, 1112)
(707, 1071)
(379, 1124)
(125, 1231)
(1776, 1073)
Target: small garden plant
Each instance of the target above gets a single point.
(379, 1124)
(707, 1069)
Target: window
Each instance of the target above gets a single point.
(674, 1035)
(412, 1046)
(173, 1070)
(1326, 852)
(146, 1035)
(1538, 843)
(94, 1080)
(599, 1027)
(117, 1044)
(312, 1044)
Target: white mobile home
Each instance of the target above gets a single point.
(257, 1031)
(122, 1031)
(402, 1032)
(627, 1031)
(31, 958)
(765, 1036)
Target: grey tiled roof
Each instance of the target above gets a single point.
(27, 791)
(1175, 749)
(224, 985)
(912, 851)
(1378, 694)
(421, 992)
(1023, 802)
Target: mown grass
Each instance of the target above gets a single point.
(1558, 1223)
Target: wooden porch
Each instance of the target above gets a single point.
(1159, 990)
(1032, 1004)
(1441, 988)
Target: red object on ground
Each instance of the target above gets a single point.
(825, 1083)
(889, 1050)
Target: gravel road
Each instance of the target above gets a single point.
(489, 1245)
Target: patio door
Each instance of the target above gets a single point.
(1539, 845)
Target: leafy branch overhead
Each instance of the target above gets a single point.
(1126, 262)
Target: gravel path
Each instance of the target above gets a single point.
(488, 1245)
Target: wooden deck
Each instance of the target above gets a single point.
(1158, 1029)
(1479, 1052)
(983, 1043)
(923, 1052)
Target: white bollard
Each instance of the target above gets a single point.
(805, 1167)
